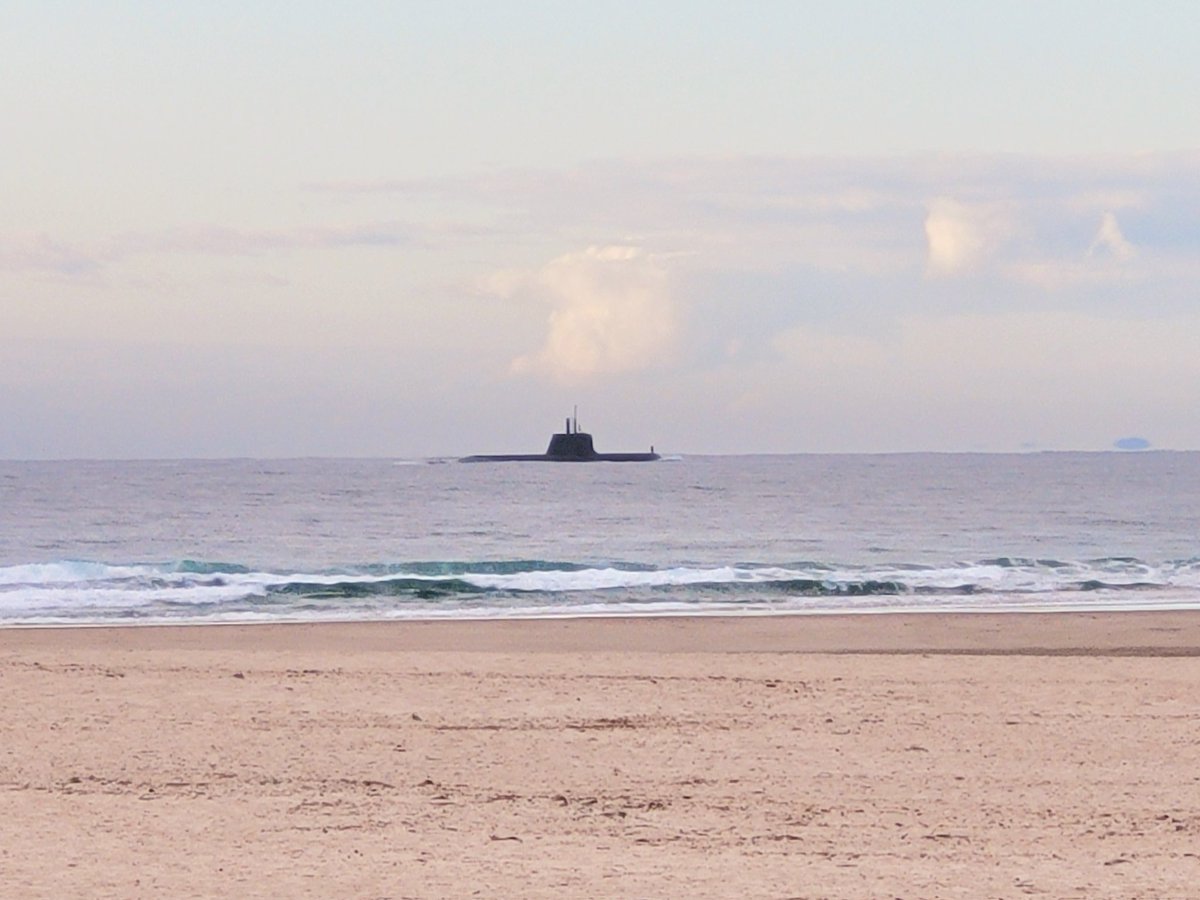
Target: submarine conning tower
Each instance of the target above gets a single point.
(571, 443)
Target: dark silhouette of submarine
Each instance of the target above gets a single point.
(570, 445)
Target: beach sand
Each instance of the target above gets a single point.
(870, 756)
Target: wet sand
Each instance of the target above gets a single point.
(869, 756)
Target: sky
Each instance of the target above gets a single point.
(409, 229)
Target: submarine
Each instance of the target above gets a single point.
(569, 445)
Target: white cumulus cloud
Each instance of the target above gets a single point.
(611, 312)
(962, 236)
(1110, 241)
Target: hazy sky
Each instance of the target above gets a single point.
(405, 229)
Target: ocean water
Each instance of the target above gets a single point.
(86, 542)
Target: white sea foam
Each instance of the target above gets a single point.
(88, 592)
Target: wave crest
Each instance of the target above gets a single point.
(74, 591)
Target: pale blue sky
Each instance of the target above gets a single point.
(281, 228)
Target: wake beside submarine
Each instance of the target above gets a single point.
(570, 445)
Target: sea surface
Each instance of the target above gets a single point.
(130, 542)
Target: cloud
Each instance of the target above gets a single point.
(42, 253)
(962, 236)
(1110, 259)
(221, 240)
(945, 216)
(1110, 241)
(611, 313)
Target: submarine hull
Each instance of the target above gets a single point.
(571, 445)
(546, 457)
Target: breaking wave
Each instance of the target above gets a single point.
(194, 591)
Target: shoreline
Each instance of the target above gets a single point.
(1174, 633)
